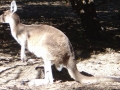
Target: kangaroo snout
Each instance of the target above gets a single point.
(1, 19)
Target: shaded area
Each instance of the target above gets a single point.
(62, 75)
(63, 18)
(86, 10)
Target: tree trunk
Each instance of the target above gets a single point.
(87, 12)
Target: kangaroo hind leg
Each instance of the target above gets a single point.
(48, 76)
(59, 66)
(48, 71)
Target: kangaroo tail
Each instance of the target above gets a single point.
(76, 75)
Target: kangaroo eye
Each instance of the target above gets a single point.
(4, 14)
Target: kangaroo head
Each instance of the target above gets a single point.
(9, 15)
(6, 16)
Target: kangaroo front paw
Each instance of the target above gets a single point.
(24, 59)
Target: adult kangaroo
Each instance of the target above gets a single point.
(49, 43)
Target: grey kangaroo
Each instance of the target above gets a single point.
(49, 43)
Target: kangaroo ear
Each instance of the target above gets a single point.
(13, 7)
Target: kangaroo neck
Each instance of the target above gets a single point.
(14, 29)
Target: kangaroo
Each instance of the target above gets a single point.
(49, 43)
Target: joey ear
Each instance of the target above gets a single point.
(13, 7)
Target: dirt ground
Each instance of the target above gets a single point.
(98, 58)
